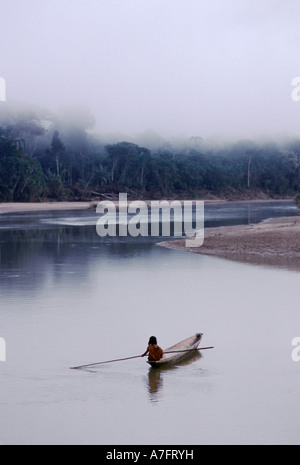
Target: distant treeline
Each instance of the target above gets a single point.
(43, 156)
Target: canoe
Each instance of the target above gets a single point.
(189, 344)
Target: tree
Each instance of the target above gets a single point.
(27, 123)
(57, 148)
(21, 178)
(128, 164)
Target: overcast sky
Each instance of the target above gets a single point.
(193, 67)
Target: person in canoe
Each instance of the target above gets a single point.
(154, 351)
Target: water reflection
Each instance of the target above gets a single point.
(35, 256)
(156, 375)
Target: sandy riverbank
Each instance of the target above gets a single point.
(38, 207)
(275, 242)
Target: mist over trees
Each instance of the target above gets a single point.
(45, 156)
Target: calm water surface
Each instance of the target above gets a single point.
(69, 298)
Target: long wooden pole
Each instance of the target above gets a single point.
(188, 350)
(109, 361)
(136, 356)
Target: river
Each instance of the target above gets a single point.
(69, 298)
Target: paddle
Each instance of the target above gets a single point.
(136, 356)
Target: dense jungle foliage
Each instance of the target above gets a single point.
(49, 157)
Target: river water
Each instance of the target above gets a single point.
(69, 298)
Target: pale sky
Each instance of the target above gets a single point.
(194, 67)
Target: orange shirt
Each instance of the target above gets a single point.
(155, 353)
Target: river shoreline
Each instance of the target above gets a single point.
(275, 242)
(6, 208)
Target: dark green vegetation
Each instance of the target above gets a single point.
(43, 156)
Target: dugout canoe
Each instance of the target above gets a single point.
(190, 344)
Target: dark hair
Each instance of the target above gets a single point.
(152, 341)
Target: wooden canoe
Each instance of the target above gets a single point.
(189, 344)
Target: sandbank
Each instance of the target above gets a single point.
(275, 242)
(44, 206)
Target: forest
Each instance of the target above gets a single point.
(46, 156)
